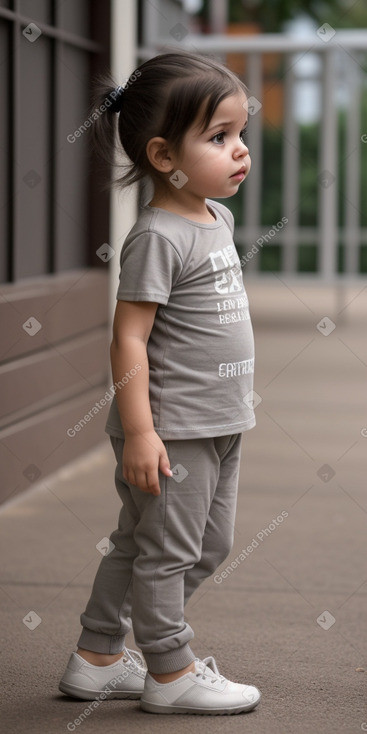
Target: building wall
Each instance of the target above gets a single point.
(54, 286)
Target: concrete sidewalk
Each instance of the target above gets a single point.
(286, 611)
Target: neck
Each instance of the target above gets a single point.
(189, 206)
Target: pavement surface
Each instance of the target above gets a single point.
(287, 610)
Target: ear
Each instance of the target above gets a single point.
(159, 155)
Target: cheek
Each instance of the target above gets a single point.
(216, 156)
(208, 162)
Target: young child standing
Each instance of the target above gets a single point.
(183, 342)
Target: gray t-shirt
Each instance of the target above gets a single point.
(201, 347)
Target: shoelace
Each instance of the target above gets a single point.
(135, 658)
(207, 667)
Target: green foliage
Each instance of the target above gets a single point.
(363, 196)
(308, 171)
(271, 15)
(271, 194)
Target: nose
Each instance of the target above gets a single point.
(241, 150)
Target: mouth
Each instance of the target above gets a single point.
(240, 174)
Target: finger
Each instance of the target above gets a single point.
(164, 465)
(131, 477)
(126, 474)
(153, 482)
(155, 490)
(141, 480)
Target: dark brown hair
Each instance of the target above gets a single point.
(163, 97)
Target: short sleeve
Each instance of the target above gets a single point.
(150, 267)
(225, 213)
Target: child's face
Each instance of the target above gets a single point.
(217, 160)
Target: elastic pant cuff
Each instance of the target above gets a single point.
(169, 661)
(97, 642)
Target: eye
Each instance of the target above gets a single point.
(218, 139)
(243, 135)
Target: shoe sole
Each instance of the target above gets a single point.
(86, 695)
(155, 708)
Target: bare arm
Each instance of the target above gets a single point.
(144, 452)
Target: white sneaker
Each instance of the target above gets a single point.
(204, 691)
(123, 679)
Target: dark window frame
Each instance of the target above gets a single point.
(96, 53)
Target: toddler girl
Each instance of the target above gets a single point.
(182, 359)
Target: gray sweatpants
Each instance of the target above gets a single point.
(165, 547)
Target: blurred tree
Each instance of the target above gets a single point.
(270, 15)
(271, 201)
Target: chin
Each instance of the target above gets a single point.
(221, 194)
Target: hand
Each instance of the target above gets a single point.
(143, 456)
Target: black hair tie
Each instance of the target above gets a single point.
(116, 98)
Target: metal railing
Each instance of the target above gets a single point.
(339, 80)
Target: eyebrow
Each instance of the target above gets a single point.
(219, 124)
(222, 124)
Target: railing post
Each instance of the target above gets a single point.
(327, 178)
(123, 208)
(351, 154)
(218, 15)
(329, 158)
(291, 154)
(252, 187)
